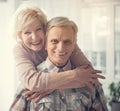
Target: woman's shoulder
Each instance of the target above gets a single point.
(20, 50)
(20, 46)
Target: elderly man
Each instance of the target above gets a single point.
(60, 42)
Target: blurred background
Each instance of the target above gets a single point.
(98, 37)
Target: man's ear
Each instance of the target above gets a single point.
(46, 45)
(73, 49)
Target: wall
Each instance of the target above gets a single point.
(6, 63)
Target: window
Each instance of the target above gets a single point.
(117, 42)
(99, 38)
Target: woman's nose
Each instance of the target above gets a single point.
(34, 35)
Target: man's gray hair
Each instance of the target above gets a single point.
(61, 22)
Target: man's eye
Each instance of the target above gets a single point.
(67, 42)
(54, 41)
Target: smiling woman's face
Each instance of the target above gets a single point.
(33, 36)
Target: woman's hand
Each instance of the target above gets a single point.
(88, 76)
(35, 96)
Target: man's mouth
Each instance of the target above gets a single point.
(61, 53)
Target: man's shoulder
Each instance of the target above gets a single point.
(42, 67)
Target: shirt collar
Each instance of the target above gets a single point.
(52, 68)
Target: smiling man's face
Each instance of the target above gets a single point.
(60, 44)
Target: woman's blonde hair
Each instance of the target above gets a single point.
(61, 22)
(25, 16)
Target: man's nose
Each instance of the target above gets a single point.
(60, 46)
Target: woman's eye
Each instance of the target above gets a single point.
(39, 29)
(27, 33)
